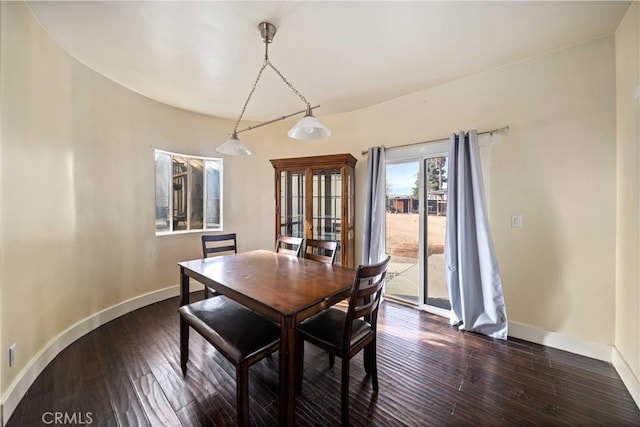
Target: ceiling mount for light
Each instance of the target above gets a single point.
(307, 128)
(267, 31)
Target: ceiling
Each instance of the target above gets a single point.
(204, 56)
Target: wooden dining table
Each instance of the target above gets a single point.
(282, 287)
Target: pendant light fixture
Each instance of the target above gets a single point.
(308, 128)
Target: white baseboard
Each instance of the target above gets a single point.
(587, 348)
(550, 339)
(628, 378)
(579, 346)
(560, 341)
(36, 365)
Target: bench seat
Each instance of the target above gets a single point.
(241, 335)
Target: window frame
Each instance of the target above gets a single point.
(188, 157)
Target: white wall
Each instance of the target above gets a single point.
(1, 208)
(556, 168)
(76, 227)
(76, 230)
(627, 331)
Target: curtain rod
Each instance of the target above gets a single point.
(490, 132)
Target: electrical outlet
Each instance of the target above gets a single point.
(516, 221)
(12, 354)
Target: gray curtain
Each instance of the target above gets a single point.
(373, 246)
(472, 275)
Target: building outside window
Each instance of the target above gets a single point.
(188, 193)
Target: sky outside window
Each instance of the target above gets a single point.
(401, 178)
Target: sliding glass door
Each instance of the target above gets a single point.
(403, 231)
(435, 219)
(415, 222)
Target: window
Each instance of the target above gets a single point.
(188, 193)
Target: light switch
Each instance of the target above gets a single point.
(516, 221)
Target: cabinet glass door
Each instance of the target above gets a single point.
(327, 204)
(348, 236)
(292, 203)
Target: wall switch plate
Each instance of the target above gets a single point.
(516, 221)
(12, 354)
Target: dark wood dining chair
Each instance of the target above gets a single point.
(344, 334)
(217, 244)
(289, 245)
(241, 335)
(321, 250)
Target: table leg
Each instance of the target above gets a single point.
(287, 369)
(184, 327)
(184, 288)
(184, 345)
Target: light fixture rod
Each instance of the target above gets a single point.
(307, 128)
(277, 120)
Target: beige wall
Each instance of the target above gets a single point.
(76, 227)
(556, 168)
(627, 331)
(1, 210)
(77, 177)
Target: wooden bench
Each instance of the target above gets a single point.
(241, 335)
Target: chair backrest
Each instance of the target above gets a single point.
(289, 245)
(218, 243)
(321, 250)
(365, 296)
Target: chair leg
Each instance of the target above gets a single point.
(366, 358)
(344, 394)
(299, 360)
(206, 292)
(373, 363)
(184, 345)
(242, 394)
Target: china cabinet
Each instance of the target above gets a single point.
(315, 200)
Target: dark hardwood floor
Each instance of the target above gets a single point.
(127, 373)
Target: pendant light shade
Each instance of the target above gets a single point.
(234, 147)
(309, 128)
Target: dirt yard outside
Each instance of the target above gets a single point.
(402, 244)
(402, 235)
